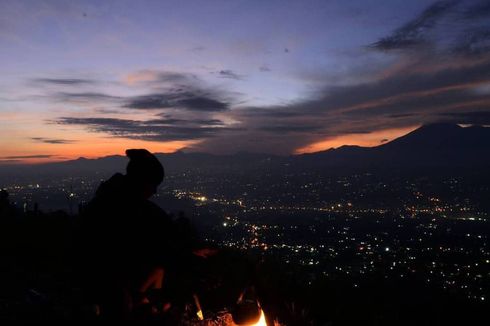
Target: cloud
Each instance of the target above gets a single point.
(471, 117)
(438, 73)
(64, 81)
(229, 74)
(6, 162)
(202, 103)
(25, 157)
(198, 48)
(176, 90)
(401, 115)
(185, 98)
(209, 122)
(168, 120)
(52, 140)
(285, 129)
(409, 97)
(264, 68)
(153, 130)
(454, 26)
(90, 97)
(478, 11)
(414, 33)
(184, 105)
(474, 42)
(162, 91)
(268, 112)
(150, 77)
(192, 100)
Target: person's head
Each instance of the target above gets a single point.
(145, 171)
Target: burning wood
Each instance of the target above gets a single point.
(226, 319)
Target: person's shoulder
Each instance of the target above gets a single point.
(112, 185)
(107, 194)
(154, 209)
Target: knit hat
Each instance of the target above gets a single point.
(144, 166)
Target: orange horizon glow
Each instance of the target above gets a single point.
(89, 148)
(372, 139)
(96, 147)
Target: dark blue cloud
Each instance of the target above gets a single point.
(187, 100)
(414, 33)
(479, 10)
(471, 117)
(153, 130)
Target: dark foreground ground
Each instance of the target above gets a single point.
(39, 284)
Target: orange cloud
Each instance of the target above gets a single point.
(140, 76)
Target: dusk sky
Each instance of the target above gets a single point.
(92, 78)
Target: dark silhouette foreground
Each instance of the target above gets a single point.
(128, 242)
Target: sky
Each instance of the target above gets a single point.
(93, 78)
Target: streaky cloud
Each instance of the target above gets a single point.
(474, 42)
(55, 141)
(86, 97)
(229, 74)
(264, 68)
(281, 129)
(414, 33)
(471, 117)
(187, 100)
(64, 81)
(20, 157)
(153, 130)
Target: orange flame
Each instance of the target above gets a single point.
(261, 321)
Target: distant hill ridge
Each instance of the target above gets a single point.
(434, 145)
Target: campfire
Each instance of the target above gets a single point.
(226, 319)
(246, 313)
(261, 321)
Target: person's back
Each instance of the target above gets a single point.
(124, 235)
(125, 229)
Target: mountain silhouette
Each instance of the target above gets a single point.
(442, 137)
(430, 146)
(434, 145)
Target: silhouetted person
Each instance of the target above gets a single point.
(6, 209)
(128, 241)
